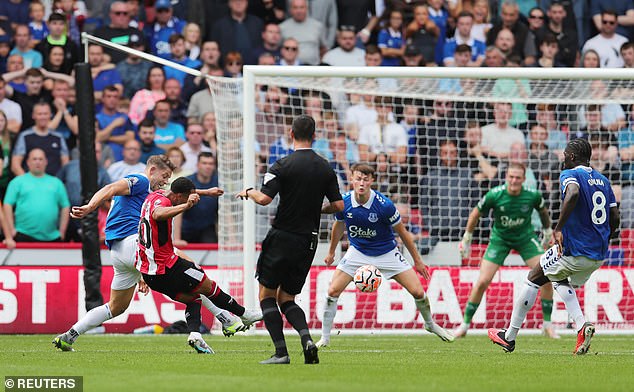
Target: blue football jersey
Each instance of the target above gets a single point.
(587, 231)
(370, 225)
(123, 218)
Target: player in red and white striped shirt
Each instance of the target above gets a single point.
(163, 269)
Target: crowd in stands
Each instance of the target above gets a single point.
(435, 158)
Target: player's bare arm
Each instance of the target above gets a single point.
(211, 192)
(165, 213)
(337, 231)
(615, 222)
(117, 188)
(570, 201)
(406, 237)
(255, 195)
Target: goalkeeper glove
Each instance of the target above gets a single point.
(465, 245)
(547, 236)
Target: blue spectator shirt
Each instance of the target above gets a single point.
(159, 36)
(478, 48)
(202, 215)
(171, 73)
(123, 218)
(279, 150)
(38, 32)
(104, 120)
(370, 225)
(106, 78)
(439, 17)
(390, 39)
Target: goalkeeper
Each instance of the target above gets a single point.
(512, 205)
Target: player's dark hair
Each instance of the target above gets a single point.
(304, 128)
(582, 150)
(160, 161)
(363, 169)
(182, 186)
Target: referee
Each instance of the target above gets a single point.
(302, 179)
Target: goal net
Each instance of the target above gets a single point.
(439, 139)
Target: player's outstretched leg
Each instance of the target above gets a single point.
(546, 297)
(330, 310)
(210, 289)
(497, 336)
(585, 330)
(487, 271)
(119, 301)
(230, 324)
(584, 336)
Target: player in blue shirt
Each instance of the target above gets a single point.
(589, 218)
(122, 224)
(371, 220)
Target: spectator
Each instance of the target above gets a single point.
(604, 120)
(32, 58)
(545, 117)
(198, 224)
(163, 27)
(69, 174)
(549, 47)
(626, 154)
(590, 59)
(114, 127)
(210, 58)
(34, 81)
(493, 57)
(445, 196)
(119, 30)
(390, 40)
(383, 136)
(324, 145)
(178, 112)
(472, 156)
(361, 14)
(64, 120)
(130, 163)
(623, 10)
(346, 54)
(498, 137)
(290, 52)
(612, 114)
(270, 117)
(282, 147)
(536, 18)
(239, 31)
(202, 100)
(178, 159)
(441, 125)
(147, 134)
(11, 110)
(325, 11)
(15, 11)
(627, 54)
(57, 37)
(133, 69)
(481, 22)
(178, 55)
(544, 162)
(34, 215)
(208, 121)
(5, 153)
(360, 114)
(423, 33)
(37, 26)
(308, 32)
(271, 42)
(233, 65)
(373, 58)
(103, 73)
(145, 99)
(40, 137)
(74, 12)
(193, 147)
(5, 48)
(607, 43)
(193, 39)
(270, 11)
(16, 63)
(513, 88)
(412, 57)
(439, 15)
(168, 133)
(566, 35)
(54, 61)
(505, 41)
(464, 26)
(524, 39)
(461, 58)
(605, 159)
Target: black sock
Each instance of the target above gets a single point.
(192, 316)
(274, 324)
(295, 315)
(226, 302)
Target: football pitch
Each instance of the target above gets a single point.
(358, 363)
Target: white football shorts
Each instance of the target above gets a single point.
(390, 264)
(577, 269)
(123, 255)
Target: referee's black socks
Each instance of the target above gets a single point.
(295, 315)
(192, 316)
(274, 324)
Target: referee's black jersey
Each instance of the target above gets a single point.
(302, 179)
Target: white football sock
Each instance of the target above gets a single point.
(422, 304)
(569, 297)
(330, 310)
(222, 315)
(524, 303)
(92, 319)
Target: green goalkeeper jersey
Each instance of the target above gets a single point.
(512, 214)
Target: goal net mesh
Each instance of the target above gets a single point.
(438, 145)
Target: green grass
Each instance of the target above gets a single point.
(367, 363)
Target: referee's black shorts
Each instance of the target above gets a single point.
(183, 278)
(285, 260)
